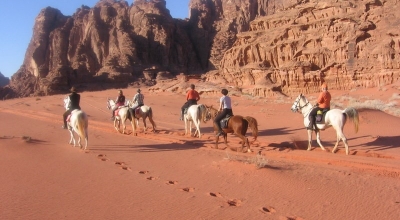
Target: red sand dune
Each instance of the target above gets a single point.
(166, 175)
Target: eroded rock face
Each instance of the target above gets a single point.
(3, 80)
(259, 46)
(109, 43)
(347, 44)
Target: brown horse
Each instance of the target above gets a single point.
(237, 125)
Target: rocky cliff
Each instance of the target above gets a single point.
(258, 46)
(347, 44)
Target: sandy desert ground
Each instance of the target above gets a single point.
(167, 175)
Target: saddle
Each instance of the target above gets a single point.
(186, 109)
(119, 108)
(224, 121)
(320, 117)
(69, 116)
(137, 111)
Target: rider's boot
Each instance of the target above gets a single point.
(181, 118)
(312, 125)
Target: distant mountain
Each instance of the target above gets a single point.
(4, 80)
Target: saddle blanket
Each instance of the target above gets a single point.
(224, 122)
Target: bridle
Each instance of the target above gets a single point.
(298, 107)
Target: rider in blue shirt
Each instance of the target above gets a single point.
(225, 108)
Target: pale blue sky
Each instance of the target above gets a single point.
(17, 19)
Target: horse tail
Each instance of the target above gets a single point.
(82, 124)
(253, 124)
(151, 117)
(352, 113)
(130, 115)
(202, 111)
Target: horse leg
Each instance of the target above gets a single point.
(123, 125)
(144, 123)
(115, 125)
(337, 143)
(309, 139)
(152, 123)
(79, 141)
(317, 133)
(197, 125)
(216, 142)
(72, 137)
(340, 135)
(186, 128)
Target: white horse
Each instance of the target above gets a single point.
(144, 112)
(196, 114)
(78, 123)
(335, 118)
(124, 112)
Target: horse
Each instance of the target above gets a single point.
(196, 114)
(78, 123)
(236, 124)
(143, 112)
(335, 118)
(124, 113)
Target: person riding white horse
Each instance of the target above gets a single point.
(335, 118)
(192, 97)
(323, 104)
(196, 114)
(120, 101)
(74, 99)
(124, 113)
(138, 100)
(78, 123)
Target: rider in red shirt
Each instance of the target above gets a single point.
(192, 97)
(323, 103)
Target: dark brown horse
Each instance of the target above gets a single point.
(238, 125)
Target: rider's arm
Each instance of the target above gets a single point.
(220, 104)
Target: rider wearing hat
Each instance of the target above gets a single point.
(120, 101)
(137, 100)
(192, 97)
(225, 108)
(323, 103)
(74, 104)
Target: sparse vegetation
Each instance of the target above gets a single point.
(258, 160)
(26, 138)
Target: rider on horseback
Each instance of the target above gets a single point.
(323, 103)
(226, 107)
(74, 104)
(192, 97)
(137, 100)
(120, 101)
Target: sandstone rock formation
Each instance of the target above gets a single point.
(347, 44)
(260, 47)
(3, 80)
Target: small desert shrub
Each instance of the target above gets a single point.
(26, 138)
(259, 160)
(37, 99)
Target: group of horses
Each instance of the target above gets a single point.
(238, 125)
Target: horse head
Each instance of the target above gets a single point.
(299, 103)
(67, 102)
(110, 103)
(212, 112)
